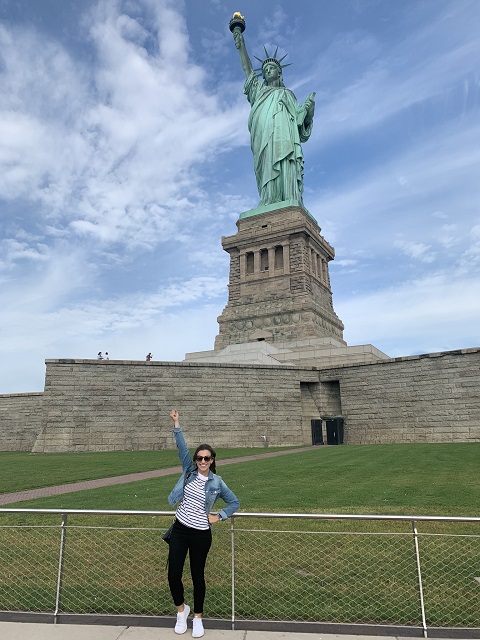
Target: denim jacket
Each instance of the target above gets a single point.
(215, 487)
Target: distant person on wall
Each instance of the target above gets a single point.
(148, 357)
(107, 357)
(99, 356)
(196, 490)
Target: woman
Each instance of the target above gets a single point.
(197, 490)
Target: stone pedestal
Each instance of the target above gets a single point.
(279, 287)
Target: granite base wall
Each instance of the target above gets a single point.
(119, 405)
(91, 405)
(427, 398)
(20, 420)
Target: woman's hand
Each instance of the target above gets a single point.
(175, 416)
(213, 518)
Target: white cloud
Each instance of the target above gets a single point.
(436, 313)
(399, 77)
(442, 171)
(14, 251)
(102, 160)
(470, 258)
(118, 324)
(124, 158)
(417, 250)
(449, 235)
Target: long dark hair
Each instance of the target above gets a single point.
(206, 447)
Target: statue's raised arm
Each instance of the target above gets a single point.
(278, 125)
(237, 27)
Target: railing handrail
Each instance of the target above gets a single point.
(251, 514)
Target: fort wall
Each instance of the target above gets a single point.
(427, 398)
(92, 405)
(123, 405)
(20, 420)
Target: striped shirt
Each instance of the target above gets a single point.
(191, 510)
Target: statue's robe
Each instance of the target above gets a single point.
(277, 129)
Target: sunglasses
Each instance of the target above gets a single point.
(200, 458)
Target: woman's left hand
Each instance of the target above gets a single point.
(213, 518)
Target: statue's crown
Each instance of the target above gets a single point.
(274, 60)
(271, 59)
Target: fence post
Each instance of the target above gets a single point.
(232, 537)
(63, 534)
(419, 576)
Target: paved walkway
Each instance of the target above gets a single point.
(28, 631)
(31, 494)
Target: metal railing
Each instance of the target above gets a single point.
(403, 571)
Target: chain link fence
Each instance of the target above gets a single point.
(298, 568)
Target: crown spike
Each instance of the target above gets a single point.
(266, 52)
(281, 59)
(275, 54)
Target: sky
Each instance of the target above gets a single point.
(125, 156)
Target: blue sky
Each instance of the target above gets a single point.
(124, 157)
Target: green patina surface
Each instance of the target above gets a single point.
(278, 126)
(266, 208)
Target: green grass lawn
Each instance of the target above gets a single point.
(428, 479)
(21, 470)
(342, 571)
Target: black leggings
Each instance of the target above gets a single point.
(197, 542)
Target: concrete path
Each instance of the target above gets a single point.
(31, 494)
(29, 631)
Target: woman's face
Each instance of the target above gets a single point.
(204, 461)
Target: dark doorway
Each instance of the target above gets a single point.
(317, 434)
(334, 429)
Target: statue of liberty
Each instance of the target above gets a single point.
(278, 125)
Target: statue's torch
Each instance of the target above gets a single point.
(238, 21)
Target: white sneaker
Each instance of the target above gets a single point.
(198, 630)
(182, 616)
